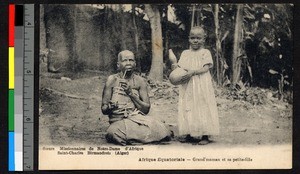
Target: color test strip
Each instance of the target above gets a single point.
(11, 74)
(19, 54)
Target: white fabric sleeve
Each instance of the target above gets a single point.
(207, 58)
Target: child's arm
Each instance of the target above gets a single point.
(191, 73)
(208, 63)
(174, 66)
(205, 69)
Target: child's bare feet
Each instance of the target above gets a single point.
(204, 140)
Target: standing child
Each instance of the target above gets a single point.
(197, 109)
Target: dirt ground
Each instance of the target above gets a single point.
(70, 114)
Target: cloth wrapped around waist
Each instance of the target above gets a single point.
(120, 114)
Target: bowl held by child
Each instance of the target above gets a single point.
(176, 75)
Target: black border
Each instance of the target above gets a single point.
(4, 83)
(36, 83)
(4, 86)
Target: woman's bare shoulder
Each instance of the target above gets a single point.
(140, 80)
(111, 80)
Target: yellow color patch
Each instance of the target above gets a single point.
(11, 65)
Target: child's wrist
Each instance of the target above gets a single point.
(174, 65)
(196, 72)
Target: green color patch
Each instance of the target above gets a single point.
(11, 112)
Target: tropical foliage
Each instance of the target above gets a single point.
(252, 44)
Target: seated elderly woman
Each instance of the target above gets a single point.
(126, 102)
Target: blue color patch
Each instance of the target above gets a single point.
(11, 151)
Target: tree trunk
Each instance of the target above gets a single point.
(123, 32)
(75, 54)
(156, 71)
(136, 39)
(106, 40)
(198, 15)
(193, 16)
(236, 61)
(165, 34)
(218, 44)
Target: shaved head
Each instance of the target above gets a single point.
(126, 61)
(125, 53)
(198, 31)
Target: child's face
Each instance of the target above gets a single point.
(196, 39)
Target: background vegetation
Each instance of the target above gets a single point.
(252, 44)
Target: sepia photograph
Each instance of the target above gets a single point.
(165, 86)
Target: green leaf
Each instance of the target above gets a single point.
(248, 14)
(207, 8)
(222, 10)
(286, 82)
(273, 71)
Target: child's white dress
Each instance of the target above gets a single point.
(198, 114)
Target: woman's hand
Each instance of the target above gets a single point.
(126, 87)
(109, 107)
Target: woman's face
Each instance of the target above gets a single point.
(196, 39)
(127, 62)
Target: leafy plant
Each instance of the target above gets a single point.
(282, 80)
